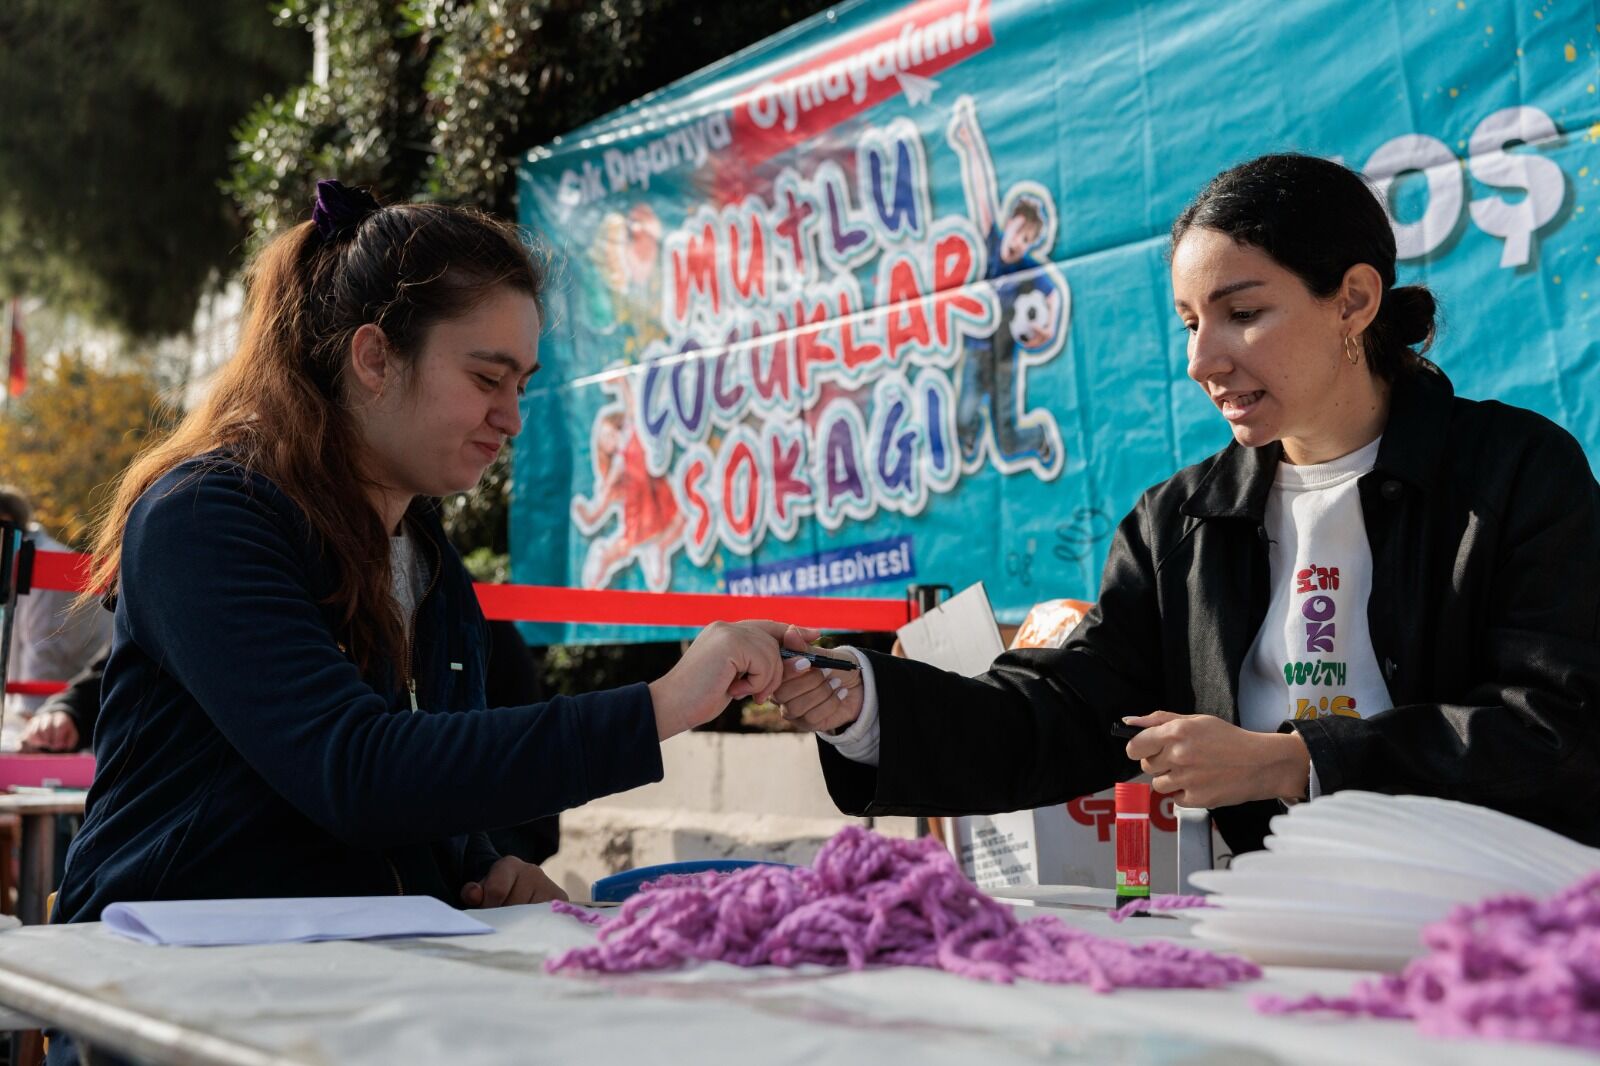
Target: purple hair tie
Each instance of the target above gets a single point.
(340, 209)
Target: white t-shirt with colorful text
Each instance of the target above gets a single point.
(1313, 655)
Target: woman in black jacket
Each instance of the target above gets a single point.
(1377, 585)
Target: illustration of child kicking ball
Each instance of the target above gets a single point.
(992, 409)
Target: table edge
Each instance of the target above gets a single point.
(125, 1030)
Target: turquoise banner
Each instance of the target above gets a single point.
(884, 299)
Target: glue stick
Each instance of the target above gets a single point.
(1133, 840)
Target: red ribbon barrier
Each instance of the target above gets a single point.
(60, 571)
(539, 603)
(69, 572)
(34, 688)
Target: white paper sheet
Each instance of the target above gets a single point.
(959, 634)
(212, 922)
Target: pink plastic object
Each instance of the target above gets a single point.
(48, 771)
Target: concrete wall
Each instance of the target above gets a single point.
(724, 796)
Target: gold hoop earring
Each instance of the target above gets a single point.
(1351, 351)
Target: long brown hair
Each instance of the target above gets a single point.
(278, 405)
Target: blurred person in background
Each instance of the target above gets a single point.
(65, 721)
(52, 639)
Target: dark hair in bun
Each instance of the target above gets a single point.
(1317, 219)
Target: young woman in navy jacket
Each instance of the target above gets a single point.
(294, 702)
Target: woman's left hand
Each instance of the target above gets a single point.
(509, 882)
(1203, 761)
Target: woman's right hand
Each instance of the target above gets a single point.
(820, 699)
(727, 661)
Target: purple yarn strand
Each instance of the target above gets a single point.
(1509, 968)
(1152, 904)
(869, 900)
(587, 917)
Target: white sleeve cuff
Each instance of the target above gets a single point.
(859, 743)
(1314, 787)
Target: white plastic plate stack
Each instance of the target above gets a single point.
(1350, 879)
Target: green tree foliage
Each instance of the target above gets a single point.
(437, 99)
(356, 126)
(118, 128)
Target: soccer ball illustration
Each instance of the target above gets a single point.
(1030, 317)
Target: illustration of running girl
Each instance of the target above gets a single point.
(650, 523)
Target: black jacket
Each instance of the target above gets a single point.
(1484, 522)
(241, 753)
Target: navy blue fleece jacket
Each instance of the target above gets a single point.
(241, 753)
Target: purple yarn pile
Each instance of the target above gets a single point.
(1509, 968)
(870, 900)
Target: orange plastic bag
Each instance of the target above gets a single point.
(1049, 623)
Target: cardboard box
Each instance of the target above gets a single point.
(1068, 844)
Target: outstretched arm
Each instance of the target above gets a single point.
(625, 400)
(589, 512)
(210, 566)
(1032, 731)
(977, 168)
